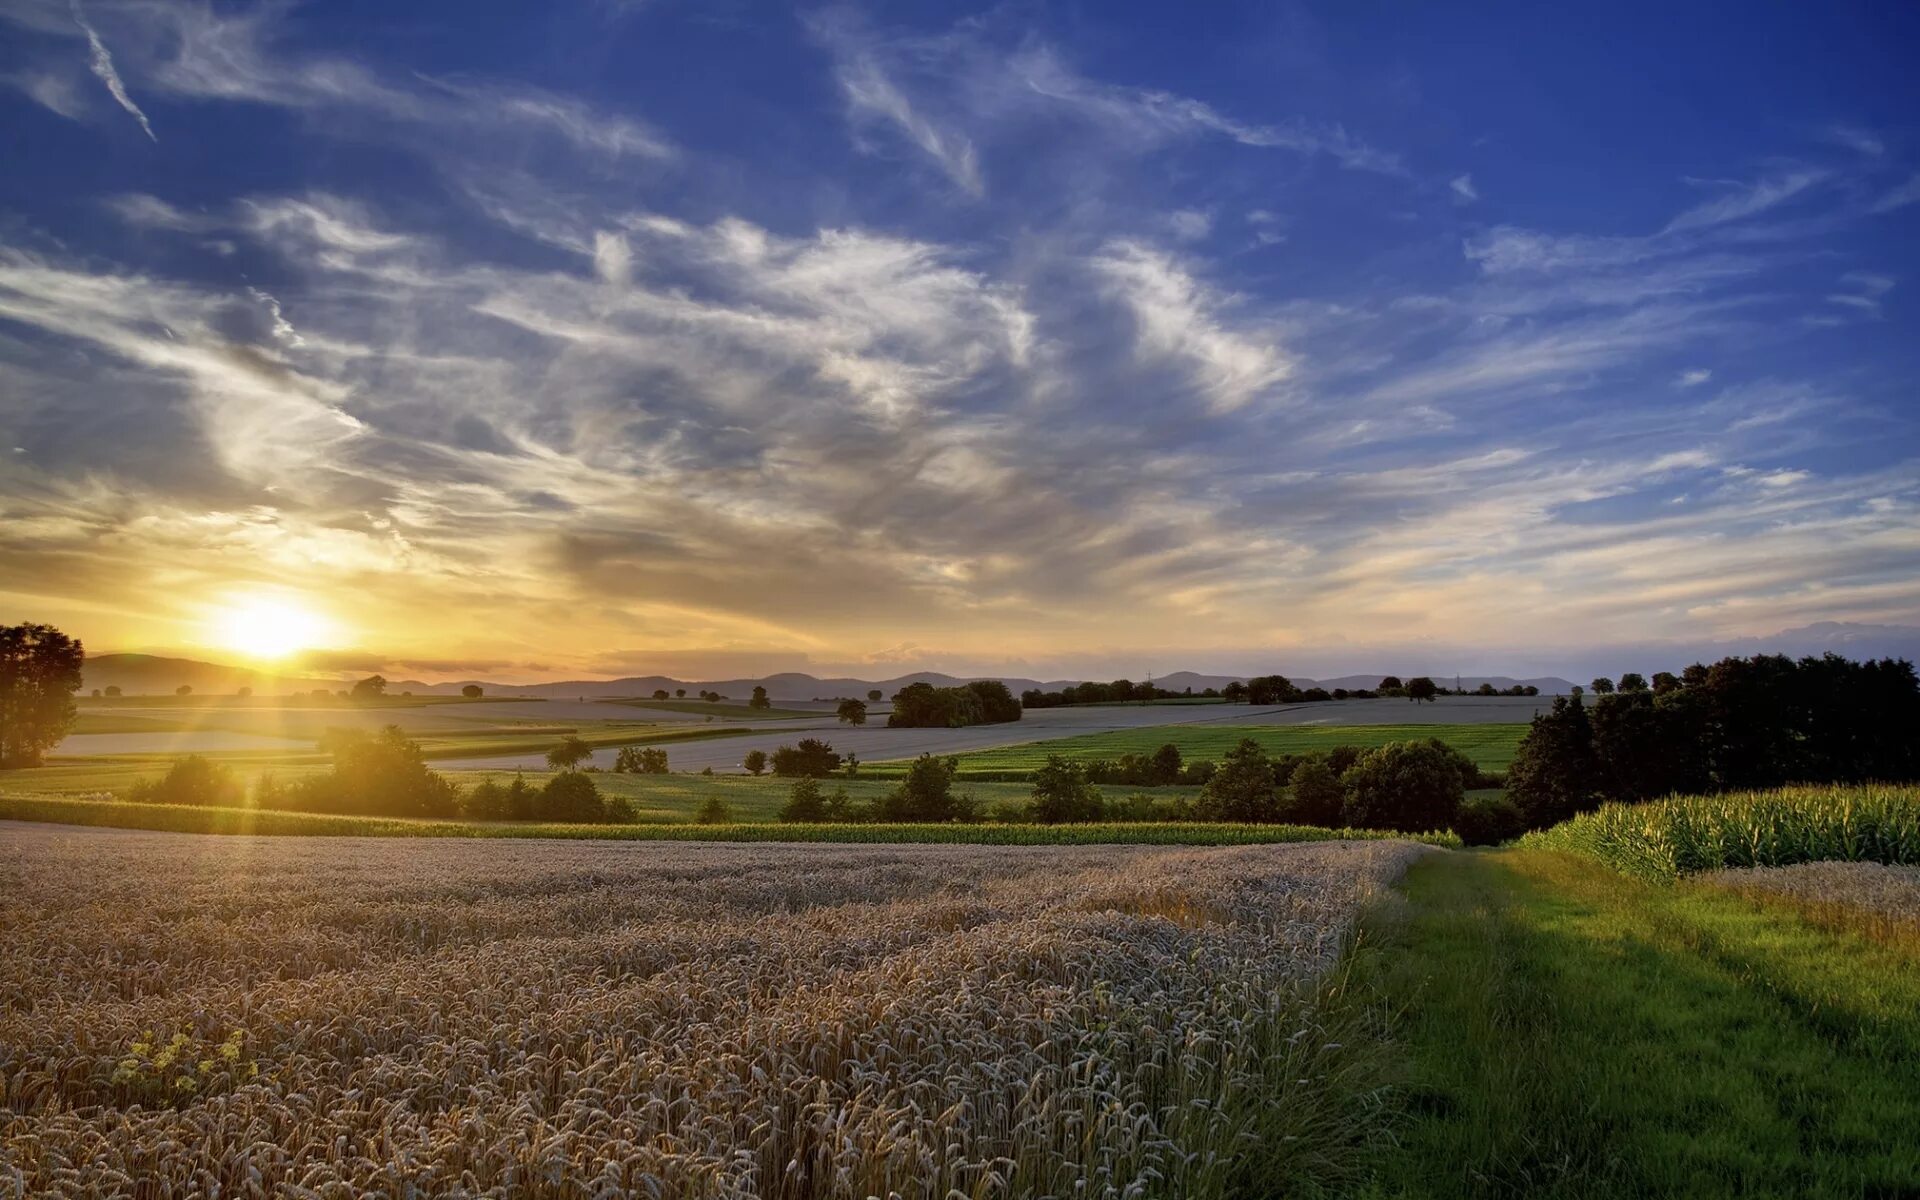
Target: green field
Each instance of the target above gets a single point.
(733, 712)
(174, 818)
(1491, 747)
(1554, 1028)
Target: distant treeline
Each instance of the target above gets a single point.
(1261, 689)
(1740, 724)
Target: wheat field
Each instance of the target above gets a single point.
(339, 1017)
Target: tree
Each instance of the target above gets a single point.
(1421, 688)
(1633, 681)
(1234, 692)
(1602, 686)
(1412, 787)
(1390, 683)
(192, 780)
(1062, 794)
(1271, 689)
(805, 803)
(1665, 682)
(244, 692)
(1489, 821)
(1555, 773)
(1317, 795)
(1576, 690)
(1242, 789)
(853, 712)
(572, 797)
(371, 687)
(636, 760)
(755, 762)
(714, 812)
(381, 774)
(473, 691)
(679, 693)
(873, 696)
(759, 699)
(40, 670)
(185, 689)
(113, 692)
(1166, 764)
(810, 757)
(926, 794)
(660, 694)
(488, 801)
(570, 753)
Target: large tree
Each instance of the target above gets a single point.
(1421, 688)
(1555, 772)
(1412, 787)
(759, 699)
(1242, 789)
(853, 712)
(39, 672)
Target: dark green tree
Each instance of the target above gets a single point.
(853, 712)
(810, 756)
(1412, 787)
(755, 762)
(1315, 795)
(1242, 789)
(759, 699)
(926, 794)
(1421, 688)
(1633, 681)
(570, 753)
(1062, 794)
(39, 673)
(370, 688)
(1555, 773)
(473, 691)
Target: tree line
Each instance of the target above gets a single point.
(1739, 724)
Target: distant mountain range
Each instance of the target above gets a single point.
(147, 674)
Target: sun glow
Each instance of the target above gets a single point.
(268, 628)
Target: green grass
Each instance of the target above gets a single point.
(1563, 1030)
(1846, 822)
(1491, 747)
(174, 818)
(738, 712)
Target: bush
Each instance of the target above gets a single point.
(192, 780)
(812, 757)
(1411, 787)
(374, 774)
(804, 803)
(926, 794)
(1062, 794)
(755, 762)
(1489, 821)
(489, 801)
(573, 798)
(1242, 789)
(1315, 796)
(714, 812)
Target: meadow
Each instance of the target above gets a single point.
(724, 709)
(553, 1019)
(1491, 747)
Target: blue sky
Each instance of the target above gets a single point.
(1044, 338)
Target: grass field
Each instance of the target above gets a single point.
(1489, 746)
(1560, 1029)
(176, 818)
(731, 712)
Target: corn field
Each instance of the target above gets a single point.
(191, 1016)
(1679, 836)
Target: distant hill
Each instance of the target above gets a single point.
(147, 674)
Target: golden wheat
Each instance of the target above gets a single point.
(356, 1017)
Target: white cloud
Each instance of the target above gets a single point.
(1190, 224)
(1747, 199)
(612, 258)
(101, 63)
(1463, 189)
(1693, 377)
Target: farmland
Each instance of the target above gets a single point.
(567, 1019)
(1490, 746)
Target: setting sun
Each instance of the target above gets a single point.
(265, 628)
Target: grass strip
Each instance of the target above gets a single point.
(1563, 1030)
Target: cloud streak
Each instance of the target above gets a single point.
(100, 62)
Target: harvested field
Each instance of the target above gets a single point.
(337, 1017)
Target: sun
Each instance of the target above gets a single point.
(266, 628)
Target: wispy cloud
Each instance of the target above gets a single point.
(101, 63)
(1747, 199)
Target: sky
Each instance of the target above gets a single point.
(1054, 339)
